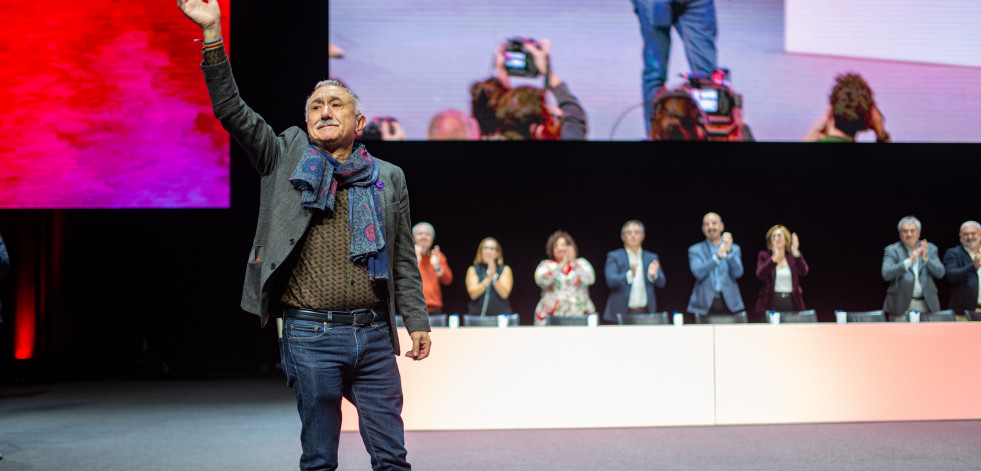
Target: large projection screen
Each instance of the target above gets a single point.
(103, 105)
(412, 59)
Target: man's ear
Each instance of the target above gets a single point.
(362, 122)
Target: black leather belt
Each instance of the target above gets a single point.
(781, 295)
(358, 317)
(917, 298)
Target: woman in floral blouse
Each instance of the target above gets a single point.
(565, 279)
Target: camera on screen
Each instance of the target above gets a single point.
(517, 60)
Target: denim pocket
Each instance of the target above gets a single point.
(298, 330)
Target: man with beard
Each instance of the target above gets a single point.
(716, 263)
(963, 269)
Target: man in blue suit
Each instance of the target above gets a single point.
(632, 273)
(962, 267)
(716, 264)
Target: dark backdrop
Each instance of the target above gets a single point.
(156, 291)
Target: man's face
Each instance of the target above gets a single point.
(909, 234)
(632, 236)
(712, 227)
(423, 238)
(970, 237)
(332, 119)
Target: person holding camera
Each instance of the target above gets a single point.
(677, 117)
(852, 110)
(695, 22)
(522, 113)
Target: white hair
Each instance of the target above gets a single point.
(424, 225)
(337, 83)
(970, 223)
(908, 220)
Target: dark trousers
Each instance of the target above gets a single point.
(324, 362)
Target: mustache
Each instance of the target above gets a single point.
(327, 122)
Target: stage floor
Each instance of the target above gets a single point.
(251, 424)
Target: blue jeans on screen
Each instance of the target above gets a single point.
(695, 22)
(324, 362)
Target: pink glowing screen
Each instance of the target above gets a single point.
(103, 105)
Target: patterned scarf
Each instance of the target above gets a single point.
(317, 177)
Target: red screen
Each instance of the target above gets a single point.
(104, 106)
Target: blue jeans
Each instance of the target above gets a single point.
(324, 362)
(695, 22)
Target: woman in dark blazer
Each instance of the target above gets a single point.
(780, 268)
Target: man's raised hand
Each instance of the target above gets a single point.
(205, 14)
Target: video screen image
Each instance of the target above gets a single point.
(413, 59)
(103, 105)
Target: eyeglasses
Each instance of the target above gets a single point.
(492, 249)
(776, 235)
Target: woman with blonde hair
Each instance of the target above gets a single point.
(780, 267)
(489, 281)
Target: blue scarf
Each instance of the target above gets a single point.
(317, 177)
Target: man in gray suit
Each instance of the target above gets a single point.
(333, 257)
(910, 266)
(716, 263)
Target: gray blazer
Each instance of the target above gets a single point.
(283, 221)
(900, 279)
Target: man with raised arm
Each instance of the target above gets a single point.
(716, 263)
(333, 258)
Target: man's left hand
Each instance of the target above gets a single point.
(653, 268)
(420, 345)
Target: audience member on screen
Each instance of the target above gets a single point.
(695, 22)
(453, 125)
(565, 279)
(383, 128)
(489, 281)
(632, 273)
(962, 267)
(334, 51)
(347, 270)
(852, 110)
(780, 267)
(432, 266)
(522, 112)
(676, 117)
(4, 262)
(716, 263)
(910, 266)
(485, 96)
